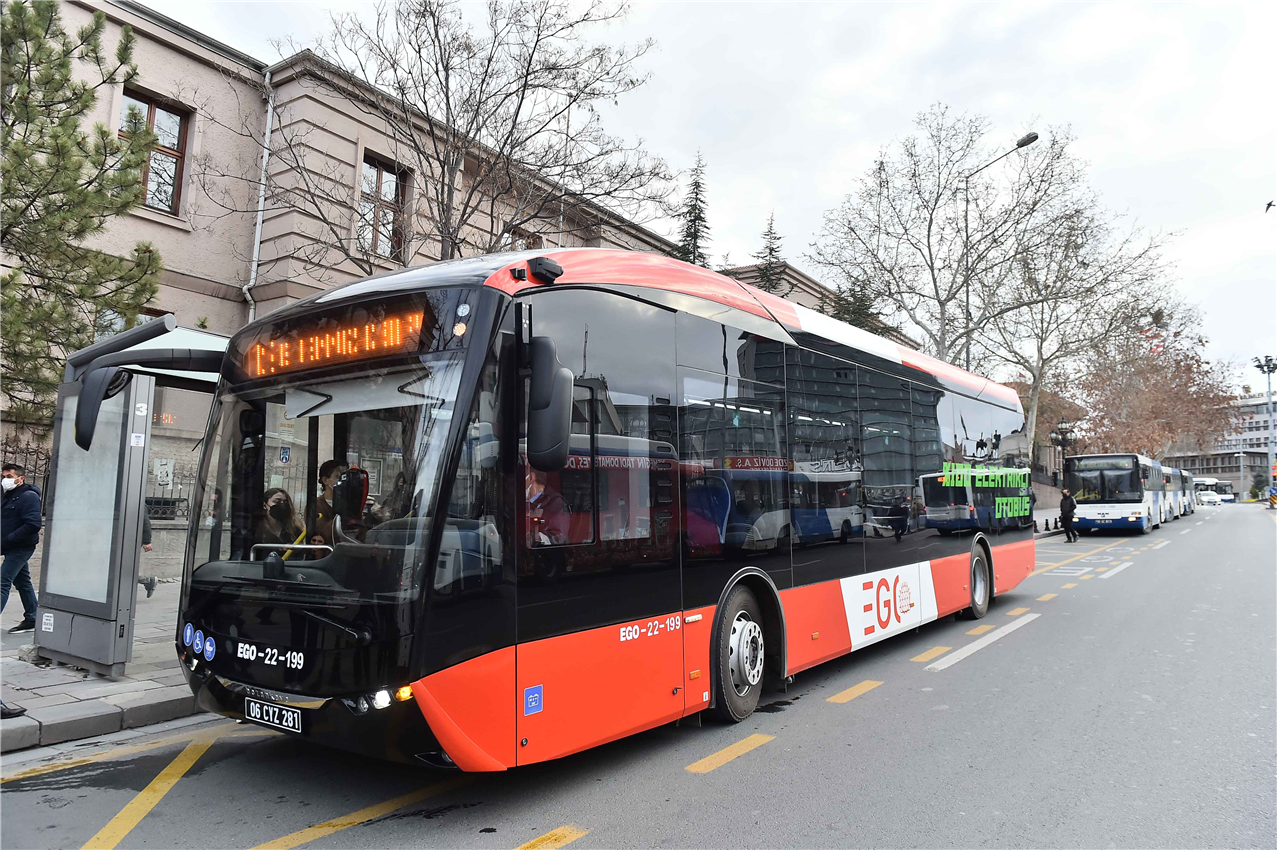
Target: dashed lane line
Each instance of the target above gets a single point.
(933, 652)
(854, 691)
(555, 838)
(148, 798)
(1186, 531)
(728, 754)
(1160, 545)
(1047, 597)
(328, 827)
(979, 630)
(1069, 586)
(1085, 577)
(1117, 570)
(977, 645)
(1015, 612)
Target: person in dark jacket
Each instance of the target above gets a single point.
(1068, 506)
(20, 525)
(147, 582)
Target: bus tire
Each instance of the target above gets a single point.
(741, 656)
(1147, 527)
(981, 587)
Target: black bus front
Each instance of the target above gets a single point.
(326, 451)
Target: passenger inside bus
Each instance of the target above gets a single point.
(548, 514)
(277, 522)
(321, 527)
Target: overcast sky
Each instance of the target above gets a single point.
(1172, 106)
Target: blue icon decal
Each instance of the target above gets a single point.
(285, 453)
(188, 634)
(532, 700)
(209, 648)
(198, 646)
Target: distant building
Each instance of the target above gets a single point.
(1224, 459)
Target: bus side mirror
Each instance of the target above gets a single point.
(97, 386)
(549, 407)
(350, 494)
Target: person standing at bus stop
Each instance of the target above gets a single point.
(20, 524)
(1068, 506)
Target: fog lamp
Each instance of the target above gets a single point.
(381, 699)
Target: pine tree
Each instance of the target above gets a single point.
(771, 266)
(61, 186)
(693, 242)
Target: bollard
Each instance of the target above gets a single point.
(1057, 523)
(1035, 526)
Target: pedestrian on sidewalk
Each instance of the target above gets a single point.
(1068, 505)
(20, 524)
(148, 582)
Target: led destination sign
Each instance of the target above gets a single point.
(332, 342)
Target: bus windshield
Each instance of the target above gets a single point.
(1103, 479)
(275, 454)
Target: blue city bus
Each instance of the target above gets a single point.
(1116, 491)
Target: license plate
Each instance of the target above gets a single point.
(269, 714)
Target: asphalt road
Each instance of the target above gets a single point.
(1132, 705)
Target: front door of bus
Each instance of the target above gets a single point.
(600, 650)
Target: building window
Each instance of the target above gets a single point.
(518, 239)
(162, 176)
(381, 201)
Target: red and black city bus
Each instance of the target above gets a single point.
(556, 501)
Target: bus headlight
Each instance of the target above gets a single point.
(381, 700)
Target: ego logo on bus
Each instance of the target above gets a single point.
(891, 600)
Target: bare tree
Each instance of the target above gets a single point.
(900, 237)
(1149, 387)
(500, 120)
(1079, 284)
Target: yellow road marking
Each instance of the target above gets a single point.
(1046, 597)
(856, 690)
(933, 652)
(140, 806)
(1078, 557)
(130, 749)
(979, 630)
(364, 815)
(1015, 612)
(723, 756)
(1088, 575)
(555, 838)
(1069, 585)
(1114, 563)
(1101, 569)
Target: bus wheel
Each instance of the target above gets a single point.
(740, 656)
(980, 586)
(1148, 525)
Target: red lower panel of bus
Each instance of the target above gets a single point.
(815, 624)
(470, 709)
(951, 578)
(1012, 564)
(580, 690)
(697, 635)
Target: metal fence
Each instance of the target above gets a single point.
(36, 459)
(172, 498)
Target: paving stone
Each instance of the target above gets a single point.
(42, 702)
(154, 706)
(18, 733)
(75, 720)
(178, 678)
(78, 689)
(125, 687)
(29, 677)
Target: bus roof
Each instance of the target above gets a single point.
(654, 271)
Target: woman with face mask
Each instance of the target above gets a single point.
(278, 522)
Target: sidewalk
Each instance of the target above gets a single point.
(66, 703)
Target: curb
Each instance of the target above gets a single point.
(74, 721)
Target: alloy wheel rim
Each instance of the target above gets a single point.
(745, 653)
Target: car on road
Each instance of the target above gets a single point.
(1207, 497)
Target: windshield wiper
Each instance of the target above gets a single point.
(361, 636)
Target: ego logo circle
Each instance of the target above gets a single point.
(893, 599)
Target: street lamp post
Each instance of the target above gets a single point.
(1063, 437)
(1269, 365)
(1023, 142)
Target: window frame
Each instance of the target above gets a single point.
(178, 154)
(380, 205)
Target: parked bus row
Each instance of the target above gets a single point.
(1130, 491)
